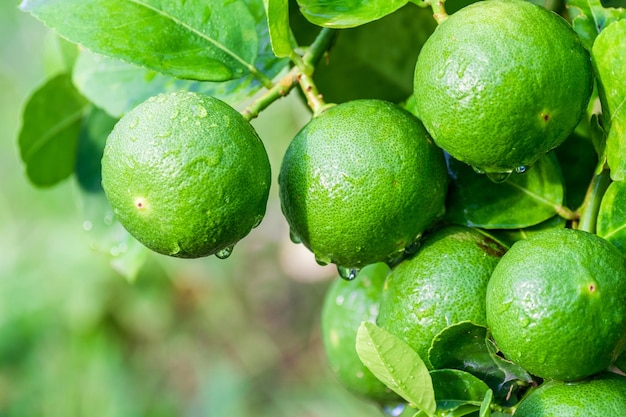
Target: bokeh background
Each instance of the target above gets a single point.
(207, 337)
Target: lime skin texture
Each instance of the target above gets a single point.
(361, 182)
(501, 82)
(186, 175)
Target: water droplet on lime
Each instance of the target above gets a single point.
(226, 252)
(498, 177)
(521, 169)
(347, 273)
(295, 238)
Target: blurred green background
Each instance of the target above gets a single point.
(208, 337)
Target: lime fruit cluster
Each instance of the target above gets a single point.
(444, 283)
(346, 305)
(186, 175)
(501, 82)
(556, 304)
(361, 182)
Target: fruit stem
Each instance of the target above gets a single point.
(301, 74)
(591, 205)
(439, 11)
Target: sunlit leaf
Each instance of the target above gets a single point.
(485, 407)
(611, 223)
(609, 57)
(393, 362)
(522, 200)
(347, 13)
(278, 21)
(51, 123)
(213, 40)
(590, 17)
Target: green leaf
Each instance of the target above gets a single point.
(117, 87)
(465, 346)
(522, 200)
(458, 390)
(589, 18)
(609, 57)
(96, 128)
(347, 13)
(51, 123)
(209, 40)
(578, 160)
(611, 223)
(508, 237)
(393, 362)
(278, 22)
(485, 407)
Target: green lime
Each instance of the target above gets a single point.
(444, 283)
(601, 396)
(346, 305)
(500, 83)
(186, 175)
(361, 182)
(556, 304)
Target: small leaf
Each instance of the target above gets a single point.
(51, 125)
(278, 22)
(96, 127)
(509, 236)
(347, 13)
(611, 223)
(609, 57)
(456, 389)
(393, 362)
(522, 200)
(212, 40)
(465, 346)
(589, 18)
(485, 407)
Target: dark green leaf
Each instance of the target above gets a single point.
(609, 57)
(51, 123)
(278, 22)
(589, 18)
(362, 65)
(96, 127)
(347, 13)
(578, 160)
(522, 200)
(455, 389)
(465, 346)
(508, 237)
(611, 223)
(393, 362)
(213, 40)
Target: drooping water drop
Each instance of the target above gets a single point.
(347, 273)
(226, 252)
(498, 177)
(413, 247)
(478, 170)
(295, 238)
(322, 260)
(521, 169)
(257, 221)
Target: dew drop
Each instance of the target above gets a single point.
(498, 177)
(133, 123)
(226, 252)
(295, 238)
(478, 170)
(524, 321)
(322, 261)
(413, 247)
(200, 112)
(393, 410)
(87, 225)
(521, 169)
(174, 114)
(164, 134)
(347, 273)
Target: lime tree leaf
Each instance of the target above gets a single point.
(508, 237)
(347, 13)
(394, 363)
(209, 40)
(458, 390)
(485, 407)
(117, 86)
(278, 22)
(465, 346)
(93, 135)
(609, 57)
(522, 200)
(589, 18)
(611, 223)
(51, 123)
